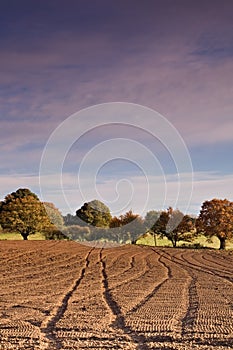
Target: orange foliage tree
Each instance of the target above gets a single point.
(130, 226)
(216, 219)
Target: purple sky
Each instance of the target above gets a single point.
(174, 56)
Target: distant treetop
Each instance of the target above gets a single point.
(95, 213)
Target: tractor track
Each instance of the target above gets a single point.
(119, 319)
(48, 338)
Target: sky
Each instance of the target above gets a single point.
(62, 58)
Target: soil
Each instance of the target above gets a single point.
(64, 295)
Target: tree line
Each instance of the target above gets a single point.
(24, 213)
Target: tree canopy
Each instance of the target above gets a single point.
(149, 222)
(55, 215)
(130, 224)
(22, 212)
(20, 193)
(151, 218)
(174, 225)
(95, 213)
(216, 219)
(70, 220)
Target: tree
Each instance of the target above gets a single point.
(150, 220)
(54, 234)
(216, 219)
(55, 215)
(95, 213)
(77, 233)
(22, 212)
(174, 225)
(70, 220)
(130, 224)
(54, 231)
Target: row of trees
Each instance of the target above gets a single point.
(23, 212)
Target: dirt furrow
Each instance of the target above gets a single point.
(134, 275)
(159, 316)
(187, 262)
(119, 319)
(187, 322)
(192, 311)
(210, 298)
(207, 268)
(48, 338)
(124, 265)
(153, 292)
(217, 267)
(14, 254)
(152, 273)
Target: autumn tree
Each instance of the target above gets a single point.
(95, 213)
(174, 225)
(22, 212)
(216, 219)
(130, 224)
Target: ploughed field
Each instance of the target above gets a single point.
(63, 295)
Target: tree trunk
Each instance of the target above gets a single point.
(173, 243)
(25, 236)
(155, 241)
(222, 243)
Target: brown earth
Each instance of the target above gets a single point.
(63, 295)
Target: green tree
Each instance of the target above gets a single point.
(174, 225)
(22, 212)
(95, 213)
(216, 219)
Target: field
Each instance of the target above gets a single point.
(200, 241)
(17, 236)
(63, 295)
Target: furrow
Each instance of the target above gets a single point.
(48, 327)
(192, 311)
(119, 320)
(154, 291)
